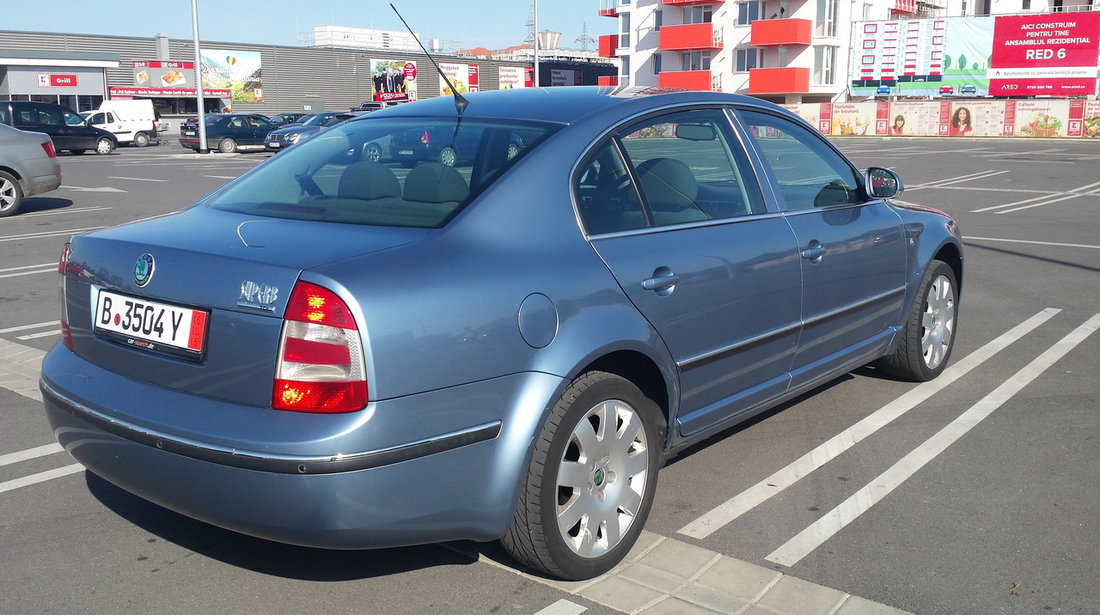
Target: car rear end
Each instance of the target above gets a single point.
(31, 157)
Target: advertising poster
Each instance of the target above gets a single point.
(817, 114)
(908, 119)
(1053, 55)
(512, 77)
(393, 80)
(972, 119)
(240, 72)
(1040, 118)
(854, 119)
(158, 74)
(1091, 124)
(564, 77)
(465, 77)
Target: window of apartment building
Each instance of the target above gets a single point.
(624, 30)
(656, 64)
(826, 17)
(748, 12)
(747, 58)
(658, 19)
(625, 72)
(867, 11)
(696, 60)
(1026, 5)
(698, 14)
(824, 65)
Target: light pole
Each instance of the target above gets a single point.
(536, 43)
(198, 78)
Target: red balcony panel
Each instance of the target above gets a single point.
(690, 2)
(611, 80)
(608, 43)
(905, 7)
(766, 32)
(691, 36)
(792, 80)
(685, 80)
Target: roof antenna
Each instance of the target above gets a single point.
(460, 100)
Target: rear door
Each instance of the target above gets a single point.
(851, 248)
(672, 206)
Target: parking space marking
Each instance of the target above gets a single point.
(563, 607)
(30, 453)
(139, 179)
(1034, 243)
(12, 272)
(48, 234)
(222, 176)
(41, 477)
(1088, 189)
(861, 501)
(764, 490)
(34, 336)
(37, 325)
(19, 368)
(939, 183)
(67, 210)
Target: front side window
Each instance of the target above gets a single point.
(411, 172)
(678, 168)
(807, 171)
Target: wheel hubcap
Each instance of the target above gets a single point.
(601, 478)
(938, 322)
(7, 194)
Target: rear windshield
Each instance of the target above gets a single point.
(412, 172)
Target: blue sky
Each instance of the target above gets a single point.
(458, 23)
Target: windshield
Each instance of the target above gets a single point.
(315, 120)
(414, 172)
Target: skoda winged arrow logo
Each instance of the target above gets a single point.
(143, 270)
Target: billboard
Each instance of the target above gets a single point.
(1052, 55)
(240, 72)
(465, 77)
(393, 80)
(512, 77)
(157, 74)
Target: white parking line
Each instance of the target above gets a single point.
(48, 269)
(222, 176)
(34, 336)
(563, 607)
(41, 477)
(1066, 195)
(30, 453)
(47, 234)
(957, 180)
(139, 179)
(771, 486)
(860, 502)
(67, 210)
(1034, 243)
(1033, 205)
(37, 325)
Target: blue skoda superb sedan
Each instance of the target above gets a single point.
(341, 352)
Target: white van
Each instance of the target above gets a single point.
(131, 121)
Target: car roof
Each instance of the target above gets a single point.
(564, 105)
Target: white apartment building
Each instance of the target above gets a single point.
(786, 51)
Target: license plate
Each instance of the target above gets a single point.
(188, 133)
(151, 324)
(274, 144)
(406, 152)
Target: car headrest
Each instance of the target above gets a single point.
(368, 180)
(668, 184)
(434, 183)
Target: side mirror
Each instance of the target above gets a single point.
(883, 183)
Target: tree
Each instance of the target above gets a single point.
(962, 62)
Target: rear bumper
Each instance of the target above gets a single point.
(457, 484)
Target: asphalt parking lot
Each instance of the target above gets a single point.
(974, 493)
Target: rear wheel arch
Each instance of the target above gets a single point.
(642, 371)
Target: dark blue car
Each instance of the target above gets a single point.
(337, 351)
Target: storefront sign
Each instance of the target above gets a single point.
(124, 92)
(56, 81)
(1051, 55)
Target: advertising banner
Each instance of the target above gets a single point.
(157, 74)
(1052, 55)
(237, 71)
(1091, 121)
(564, 77)
(393, 80)
(465, 77)
(512, 77)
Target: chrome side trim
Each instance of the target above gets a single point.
(270, 462)
(718, 352)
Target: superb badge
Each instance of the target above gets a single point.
(143, 270)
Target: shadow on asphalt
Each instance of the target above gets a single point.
(264, 556)
(34, 204)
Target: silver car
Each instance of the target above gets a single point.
(338, 351)
(28, 166)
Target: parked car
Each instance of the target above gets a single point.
(67, 129)
(947, 89)
(342, 353)
(28, 166)
(883, 90)
(969, 89)
(282, 119)
(225, 132)
(283, 138)
(130, 121)
(437, 144)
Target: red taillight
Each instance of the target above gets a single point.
(62, 266)
(50, 151)
(425, 138)
(320, 365)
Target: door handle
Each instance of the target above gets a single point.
(661, 282)
(814, 251)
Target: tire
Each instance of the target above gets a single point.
(141, 139)
(104, 146)
(513, 150)
(11, 194)
(373, 152)
(929, 333)
(448, 157)
(598, 485)
(227, 146)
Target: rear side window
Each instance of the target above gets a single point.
(670, 169)
(807, 171)
(413, 172)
